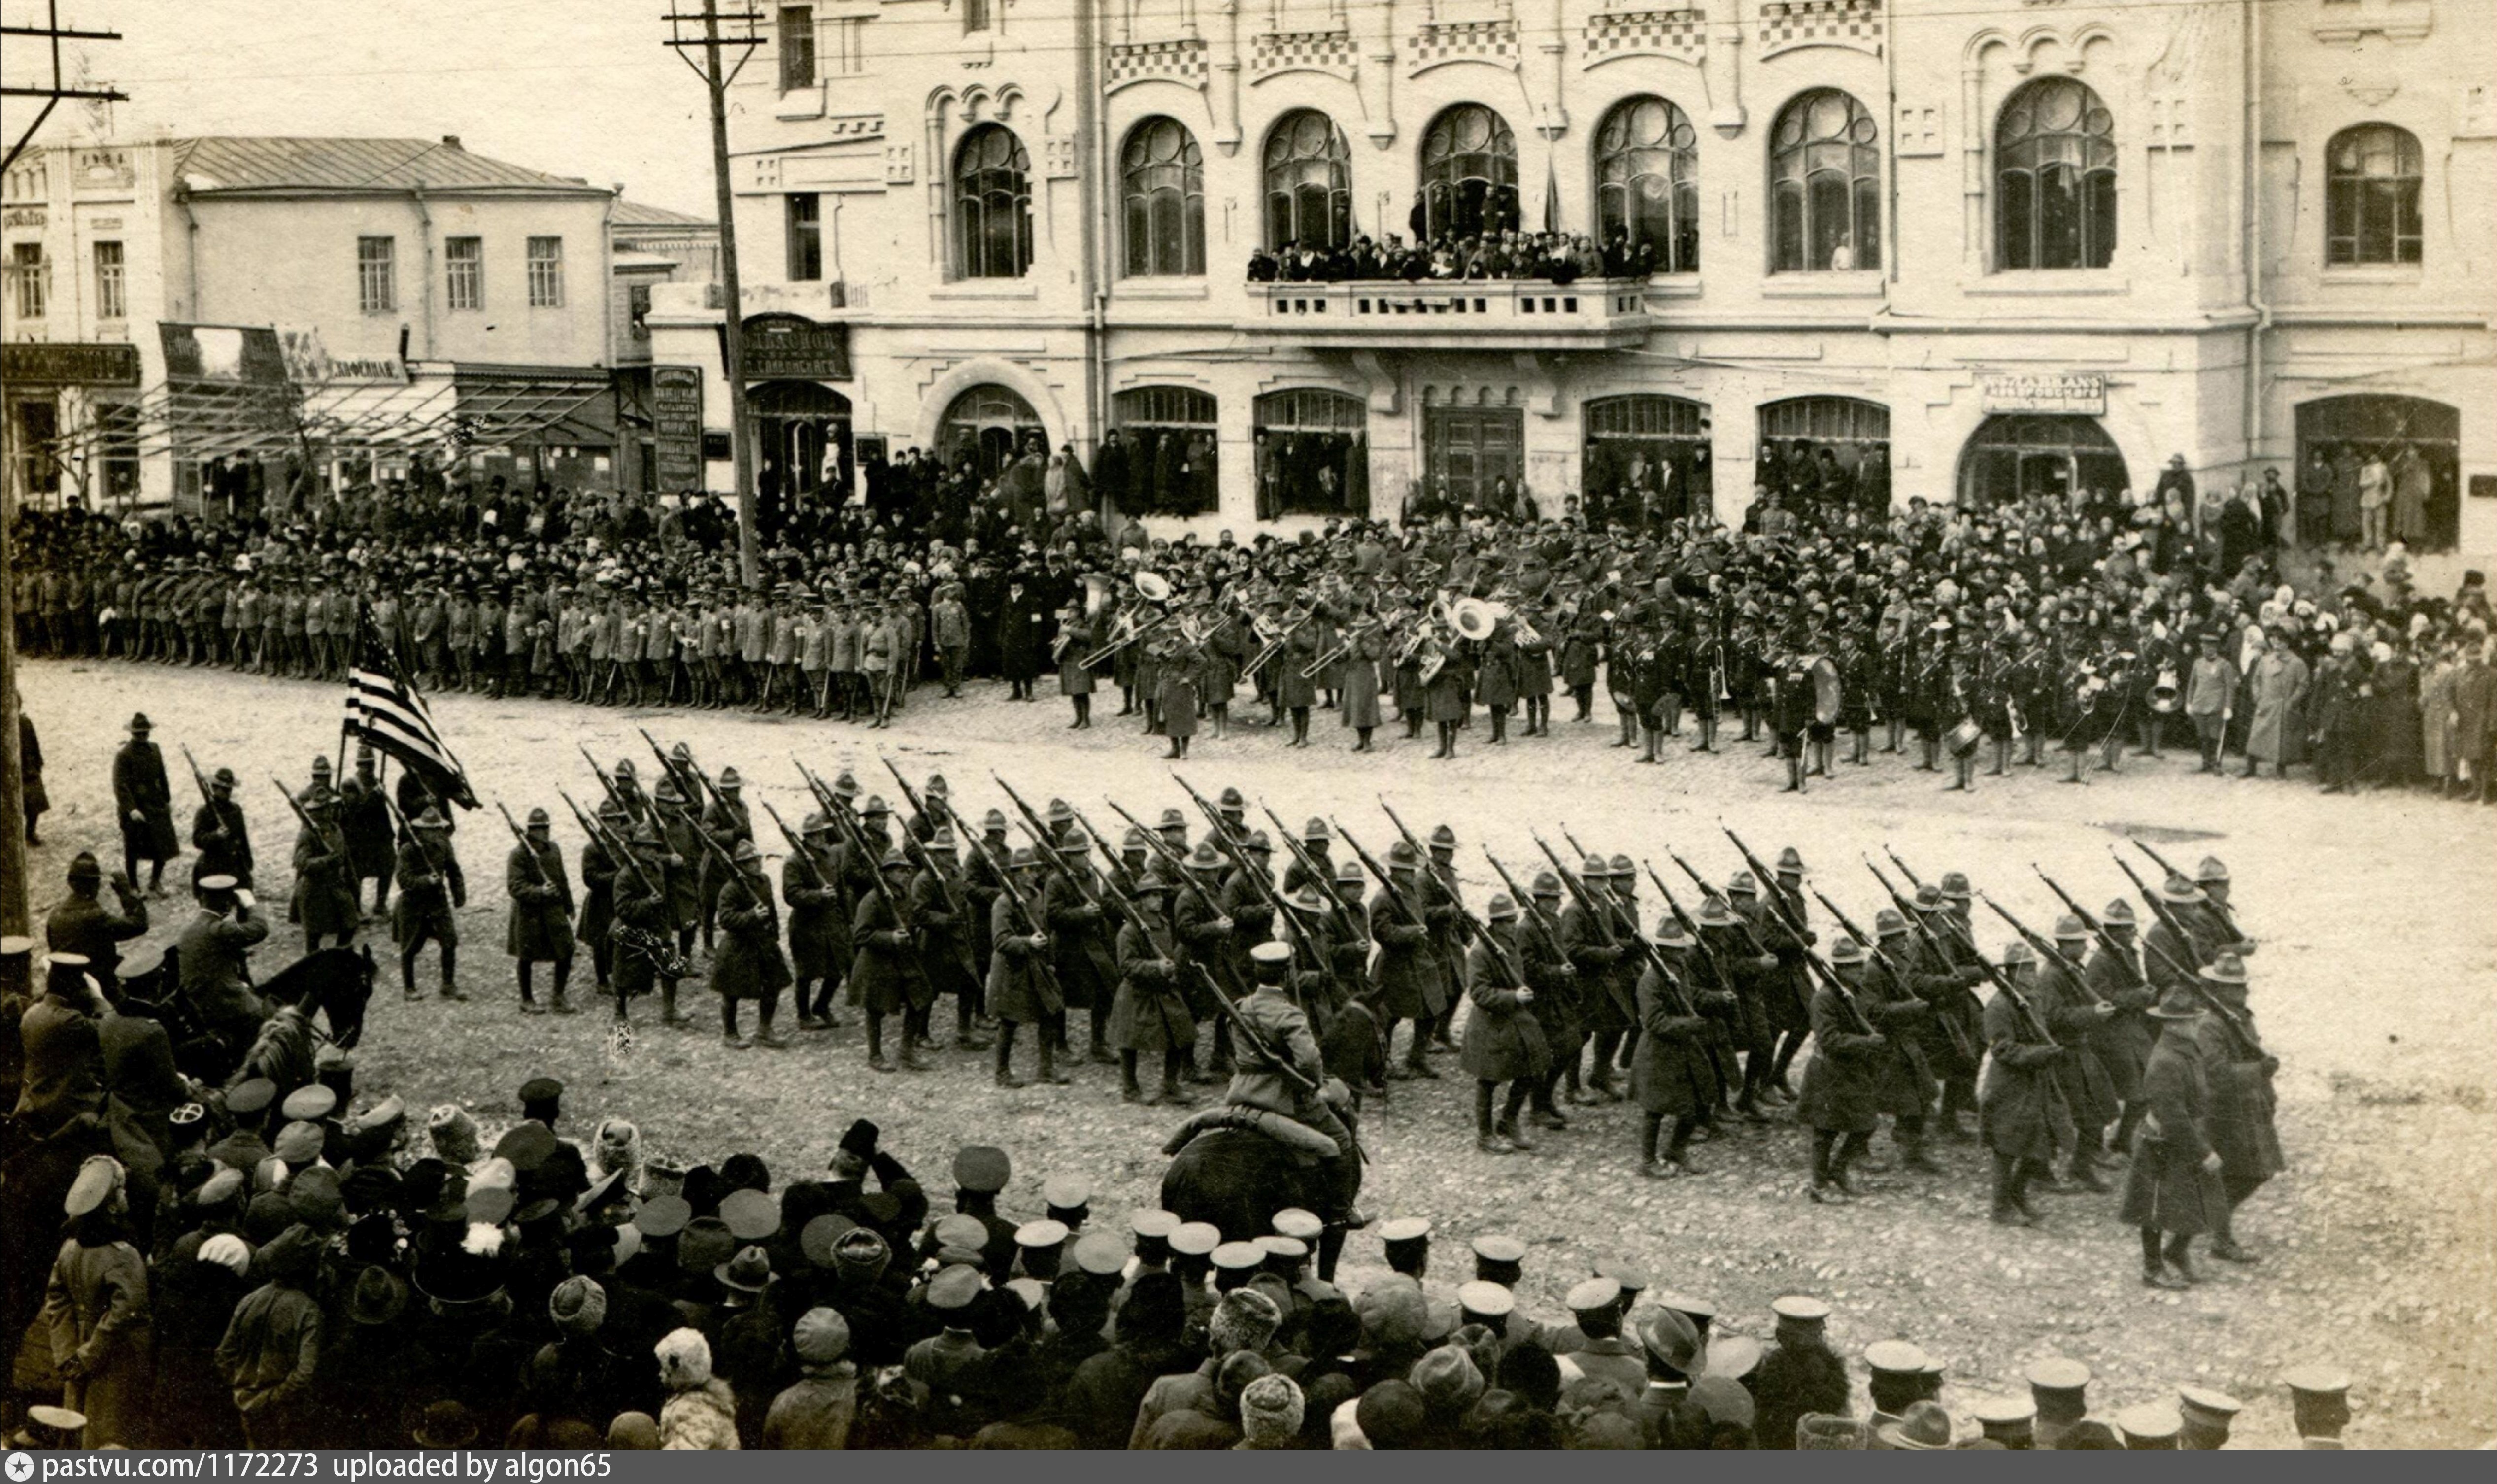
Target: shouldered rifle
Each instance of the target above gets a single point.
(200, 778)
(2227, 919)
(608, 841)
(1770, 892)
(1182, 878)
(825, 799)
(2047, 950)
(716, 851)
(1952, 1031)
(910, 796)
(2191, 975)
(1915, 920)
(328, 841)
(1690, 925)
(1224, 834)
(797, 844)
(1251, 1037)
(528, 847)
(1600, 917)
(856, 840)
(1707, 891)
(1527, 908)
(1320, 878)
(650, 945)
(691, 781)
(2098, 929)
(1031, 817)
(1370, 863)
(616, 794)
(1031, 915)
(1233, 845)
(1966, 935)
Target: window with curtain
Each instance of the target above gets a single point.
(2372, 197)
(1825, 185)
(1468, 174)
(2054, 178)
(1308, 182)
(1647, 174)
(1163, 184)
(991, 204)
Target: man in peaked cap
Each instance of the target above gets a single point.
(540, 924)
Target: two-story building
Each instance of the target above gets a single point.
(425, 300)
(1968, 249)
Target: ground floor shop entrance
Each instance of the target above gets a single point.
(2014, 457)
(2409, 446)
(991, 426)
(803, 448)
(1644, 459)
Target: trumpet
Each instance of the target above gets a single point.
(1423, 634)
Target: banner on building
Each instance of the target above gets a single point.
(790, 347)
(677, 427)
(2080, 393)
(241, 355)
(68, 363)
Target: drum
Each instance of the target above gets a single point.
(1962, 738)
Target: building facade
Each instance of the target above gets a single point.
(423, 300)
(1970, 249)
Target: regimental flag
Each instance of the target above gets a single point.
(384, 708)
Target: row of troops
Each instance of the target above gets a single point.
(1568, 989)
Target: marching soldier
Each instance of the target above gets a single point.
(644, 916)
(2123, 1040)
(1404, 976)
(1587, 938)
(219, 834)
(1503, 1041)
(1205, 935)
(325, 898)
(1022, 986)
(430, 888)
(2021, 1110)
(811, 889)
(1081, 948)
(363, 817)
(2171, 1192)
(1840, 1102)
(748, 965)
(144, 801)
(2074, 1015)
(2238, 1073)
(684, 838)
(1673, 1071)
(885, 971)
(539, 927)
(944, 937)
(598, 872)
(1558, 1006)
(725, 819)
(1151, 1015)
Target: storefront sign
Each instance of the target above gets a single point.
(68, 363)
(790, 347)
(229, 352)
(2083, 393)
(310, 364)
(23, 216)
(677, 427)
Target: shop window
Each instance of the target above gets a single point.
(991, 204)
(1312, 453)
(1644, 459)
(2054, 178)
(1174, 451)
(1163, 178)
(1308, 182)
(2372, 197)
(1795, 435)
(1825, 185)
(1647, 184)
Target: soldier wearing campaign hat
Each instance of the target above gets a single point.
(749, 964)
(430, 888)
(219, 834)
(539, 927)
(142, 801)
(82, 924)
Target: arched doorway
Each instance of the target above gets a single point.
(1644, 459)
(801, 441)
(2419, 443)
(991, 426)
(2017, 456)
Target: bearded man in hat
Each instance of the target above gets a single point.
(84, 926)
(430, 888)
(219, 834)
(540, 924)
(143, 800)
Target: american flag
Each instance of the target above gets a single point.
(384, 709)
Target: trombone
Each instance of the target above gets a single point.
(1352, 636)
(1135, 631)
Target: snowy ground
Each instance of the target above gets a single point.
(2376, 984)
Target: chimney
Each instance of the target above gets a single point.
(451, 141)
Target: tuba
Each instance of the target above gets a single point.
(1474, 618)
(1153, 587)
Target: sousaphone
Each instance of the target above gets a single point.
(1153, 587)
(1474, 618)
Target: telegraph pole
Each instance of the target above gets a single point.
(717, 78)
(15, 918)
(53, 32)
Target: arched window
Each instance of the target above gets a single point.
(1645, 459)
(1825, 185)
(1162, 176)
(1468, 174)
(2372, 197)
(1308, 182)
(2054, 177)
(991, 426)
(1647, 171)
(991, 204)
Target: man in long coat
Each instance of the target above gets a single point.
(143, 800)
(2171, 1190)
(540, 924)
(83, 925)
(219, 834)
(748, 965)
(2021, 1111)
(1503, 1041)
(2276, 685)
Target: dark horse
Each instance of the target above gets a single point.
(1237, 1179)
(333, 985)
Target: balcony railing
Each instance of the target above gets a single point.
(1596, 311)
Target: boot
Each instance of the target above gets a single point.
(2006, 1208)
(2020, 1178)
(1518, 1139)
(2082, 1171)
(2225, 1246)
(1049, 1072)
(668, 1015)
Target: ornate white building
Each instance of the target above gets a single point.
(1970, 245)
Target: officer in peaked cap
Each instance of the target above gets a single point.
(542, 1099)
(1068, 1199)
(2010, 1420)
(2320, 1398)
(980, 1172)
(2205, 1417)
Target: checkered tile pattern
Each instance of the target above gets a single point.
(1180, 61)
(1680, 34)
(1463, 41)
(1302, 51)
(1785, 24)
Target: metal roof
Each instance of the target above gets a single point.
(633, 213)
(238, 163)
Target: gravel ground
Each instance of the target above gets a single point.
(2374, 985)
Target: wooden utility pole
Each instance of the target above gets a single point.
(716, 77)
(53, 33)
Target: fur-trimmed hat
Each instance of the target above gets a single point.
(685, 1360)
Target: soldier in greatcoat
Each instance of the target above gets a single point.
(1503, 1041)
(748, 963)
(539, 928)
(143, 800)
(2171, 1190)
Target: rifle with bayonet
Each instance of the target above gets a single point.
(1319, 875)
(1428, 868)
(1031, 915)
(2227, 919)
(1396, 893)
(616, 793)
(530, 849)
(333, 844)
(655, 947)
(2047, 950)
(1599, 917)
(2189, 974)
(2099, 930)
(1952, 1031)
(1234, 846)
(1708, 891)
(1916, 923)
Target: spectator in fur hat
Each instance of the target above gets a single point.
(1271, 1413)
(700, 1412)
(1245, 1320)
